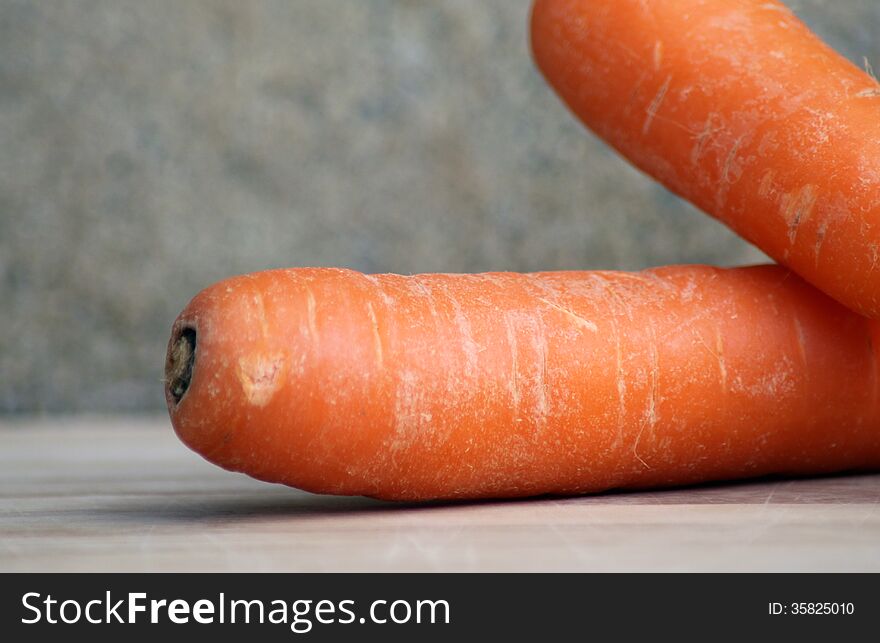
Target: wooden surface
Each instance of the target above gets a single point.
(124, 494)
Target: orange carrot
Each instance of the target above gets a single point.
(738, 107)
(503, 384)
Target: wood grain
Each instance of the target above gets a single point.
(122, 494)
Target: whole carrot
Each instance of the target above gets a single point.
(738, 107)
(502, 384)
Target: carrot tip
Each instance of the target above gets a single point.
(180, 362)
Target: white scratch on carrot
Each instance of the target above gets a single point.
(655, 104)
(377, 339)
(542, 407)
(766, 184)
(621, 381)
(379, 285)
(772, 6)
(797, 209)
(719, 352)
(731, 157)
(801, 340)
(703, 138)
(311, 307)
(514, 366)
(820, 239)
(578, 320)
(650, 420)
(469, 346)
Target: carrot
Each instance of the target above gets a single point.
(504, 384)
(736, 106)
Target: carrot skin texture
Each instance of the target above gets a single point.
(738, 107)
(502, 384)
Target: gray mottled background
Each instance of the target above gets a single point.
(151, 147)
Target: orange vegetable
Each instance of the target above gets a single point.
(503, 384)
(738, 107)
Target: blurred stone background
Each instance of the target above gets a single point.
(151, 147)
